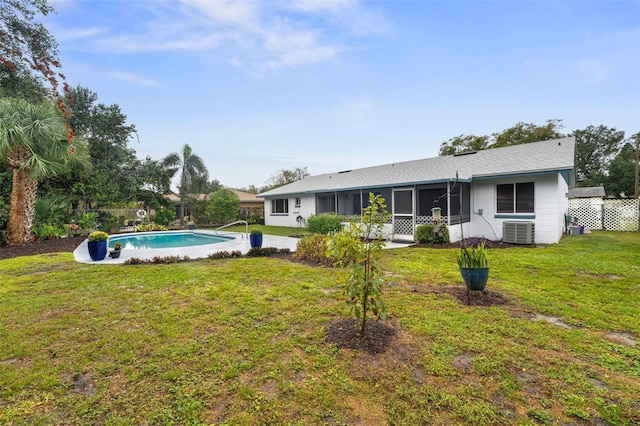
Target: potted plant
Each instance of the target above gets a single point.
(255, 238)
(191, 224)
(115, 253)
(474, 266)
(98, 245)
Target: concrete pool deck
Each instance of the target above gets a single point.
(240, 242)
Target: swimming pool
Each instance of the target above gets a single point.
(164, 240)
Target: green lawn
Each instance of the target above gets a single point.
(243, 341)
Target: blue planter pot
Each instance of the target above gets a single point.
(475, 278)
(255, 240)
(97, 250)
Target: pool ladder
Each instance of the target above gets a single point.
(235, 223)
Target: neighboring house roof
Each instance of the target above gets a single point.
(547, 156)
(590, 192)
(245, 197)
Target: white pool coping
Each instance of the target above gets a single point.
(240, 242)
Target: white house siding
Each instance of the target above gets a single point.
(550, 204)
(307, 208)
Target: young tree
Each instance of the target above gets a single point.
(223, 206)
(359, 247)
(32, 141)
(192, 169)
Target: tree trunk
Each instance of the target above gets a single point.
(23, 200)
(16, 227)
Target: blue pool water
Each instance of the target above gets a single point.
(160, 240)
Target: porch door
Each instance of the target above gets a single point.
(403, 214)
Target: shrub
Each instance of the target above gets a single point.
(150, 227)
(88, 220)
(265, 251)
(164, 216)
(256, 232)
(45, 231)
(313, 248)
(426, 234)
(324, 223)
(225, 255)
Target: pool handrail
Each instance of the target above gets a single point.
(246, 224)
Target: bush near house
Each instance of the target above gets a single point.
(426, 234)
(324, 223)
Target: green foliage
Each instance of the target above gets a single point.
(425, 234)
(225, 255)
(256, 232)
(98, 236)
(266, 251)
(193, 172)
(314, 249)
(88, 220)
(149, 227)
(519, 134)
(284, 177)
(359, 247)
(164, 216)
(223, 206)
(4, 213)
(595, 148)
(51, 209)
(107, 220)
(472, 257)
(46, 231)
(324, 223)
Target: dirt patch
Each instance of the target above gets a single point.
(552, 320)
(621, 338)
(61, 245)
(476, 298)
(463, 362)
(377, 337)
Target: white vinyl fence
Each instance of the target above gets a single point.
(609, 215)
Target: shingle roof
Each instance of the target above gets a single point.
(590, 192)
(547, 156)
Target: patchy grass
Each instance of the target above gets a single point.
(242, 341)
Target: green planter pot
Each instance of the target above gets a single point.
(475, 278)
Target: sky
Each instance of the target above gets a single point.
(255, 87)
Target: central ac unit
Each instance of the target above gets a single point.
(518, 232)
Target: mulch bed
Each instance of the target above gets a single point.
(344, 333)
(61, 245)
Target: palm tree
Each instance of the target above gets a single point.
(33, 140)
(193, 170)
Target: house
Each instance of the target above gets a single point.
(517, 193)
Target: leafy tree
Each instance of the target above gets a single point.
(359, 246)
(595, 148)
(519, 134)
(32, 141)
(223, 206)
(621, 176)
(115, 176)
(29, 55)
(284, 177)
(523, 133)
(154, 182)
(464, 143)
(192, 169)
